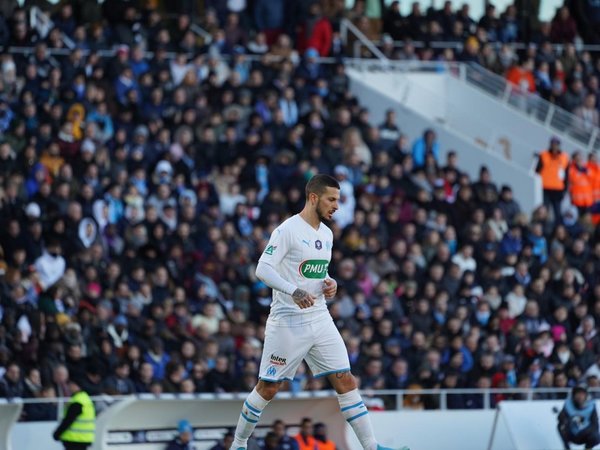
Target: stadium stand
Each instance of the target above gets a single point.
(145, 158)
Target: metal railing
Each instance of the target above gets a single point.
(42, 23)
(391, 399)
(346, 27)
(533, 106)
(481, 132)
(556, 119)
(459, 45)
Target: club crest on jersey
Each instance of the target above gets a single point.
(318, 245)
(271, 371)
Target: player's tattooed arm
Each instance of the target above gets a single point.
(303, 299)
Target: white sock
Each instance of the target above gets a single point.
(356, 414)
(249, 417)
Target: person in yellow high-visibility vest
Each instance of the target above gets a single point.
(78, 427)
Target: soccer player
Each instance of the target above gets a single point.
(294, 264)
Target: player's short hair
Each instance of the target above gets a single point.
(319, 183)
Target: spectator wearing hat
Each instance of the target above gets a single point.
(184, 437)
(578, 420)
(310, 69)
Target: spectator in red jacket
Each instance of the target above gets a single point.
(521, 75)
(316, 32)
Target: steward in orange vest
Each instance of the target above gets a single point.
(593, 167)
(320, 433)
(552, 167)
(305, 439)
(580, 184)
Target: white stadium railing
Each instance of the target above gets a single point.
(147, 422)
(397, 395)
(557, 120)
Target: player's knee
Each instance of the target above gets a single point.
(267, 389)
(343, 382)
(349, 381)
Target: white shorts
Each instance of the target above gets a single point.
(319, 344)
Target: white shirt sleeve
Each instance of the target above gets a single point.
(274, 253)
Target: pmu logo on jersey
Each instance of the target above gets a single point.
(278, 360)
(314, 268)
(318, 245)
(270, 249)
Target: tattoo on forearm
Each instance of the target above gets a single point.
(299, 294)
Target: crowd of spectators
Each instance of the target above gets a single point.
(136, 195)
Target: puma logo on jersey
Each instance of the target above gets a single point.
(306, 242)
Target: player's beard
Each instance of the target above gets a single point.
(322, 217)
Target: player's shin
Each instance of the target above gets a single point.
(356, 414)
(249, 417)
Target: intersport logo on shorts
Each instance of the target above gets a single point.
(314, 268)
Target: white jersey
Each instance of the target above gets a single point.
(301, 256)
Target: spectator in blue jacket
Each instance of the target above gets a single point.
(512, 241)
(427, 144)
